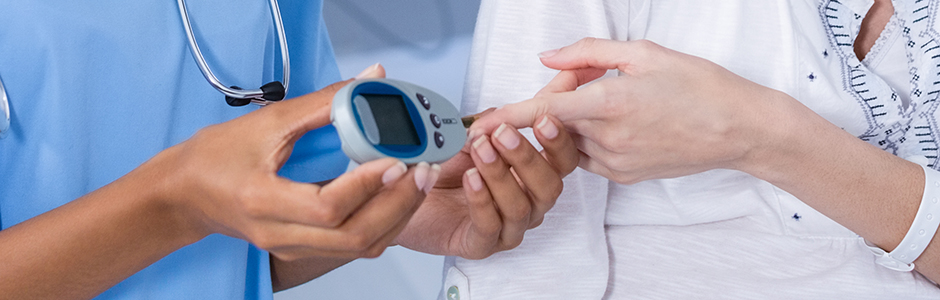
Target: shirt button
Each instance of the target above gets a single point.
(453, 293)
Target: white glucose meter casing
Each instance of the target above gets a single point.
(378, 118)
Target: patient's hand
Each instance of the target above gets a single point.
(494, 190)
(668, 114)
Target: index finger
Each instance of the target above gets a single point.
(570, 80)
(565, 106)
(600, 53)
(344, 195)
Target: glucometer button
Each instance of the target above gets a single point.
(438, 139)
(424, 101)
(436, 120)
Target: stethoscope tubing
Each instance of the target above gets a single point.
(5, 107)
(256, 95)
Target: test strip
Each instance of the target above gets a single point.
(468, 120)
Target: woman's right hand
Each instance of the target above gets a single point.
(224, 180)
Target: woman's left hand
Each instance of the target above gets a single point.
(667, 115)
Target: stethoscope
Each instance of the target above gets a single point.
(269, 93)
(5, 107)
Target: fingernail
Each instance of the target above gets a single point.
(368, 72)
(548, 53)
(547, 128)
(506, 137)
(421, 174)
(484, 150)
(394, 172)
(472, 136)
(476, 182)
(432, 178)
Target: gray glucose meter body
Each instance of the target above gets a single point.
(378, 118)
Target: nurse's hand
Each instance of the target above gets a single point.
(668, 114)
(222, 180)
(225, 181)
(494, 190)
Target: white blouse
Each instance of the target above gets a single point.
(719, 234)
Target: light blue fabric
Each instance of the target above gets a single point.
(98, 87)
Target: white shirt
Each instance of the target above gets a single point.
(719, 234)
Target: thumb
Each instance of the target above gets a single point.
(312, 111)
(373, 71)
(598, 53)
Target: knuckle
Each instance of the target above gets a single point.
(556, 189)
(625, 179)
(513, 243)
(527, 158)
(619, 144)
(327, 213)
(645, 50)
(262, 240)
(358, 242)
(518, 213)
(489, 228)
(647, 46)
(288, 256)
(537, 223)
(248, 197)
(599, 90)
(615, 141)
(587, 42)
(374, 252)
(618, 164)
(608, 145)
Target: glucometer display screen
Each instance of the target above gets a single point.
(392, 119)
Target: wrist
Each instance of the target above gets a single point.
(161, 186)
(770, 131)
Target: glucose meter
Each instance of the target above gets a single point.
(378, 118)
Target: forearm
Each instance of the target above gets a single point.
(870, 191)
(90, 244)
(288, 274)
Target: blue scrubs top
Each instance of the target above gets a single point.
(98, 87)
